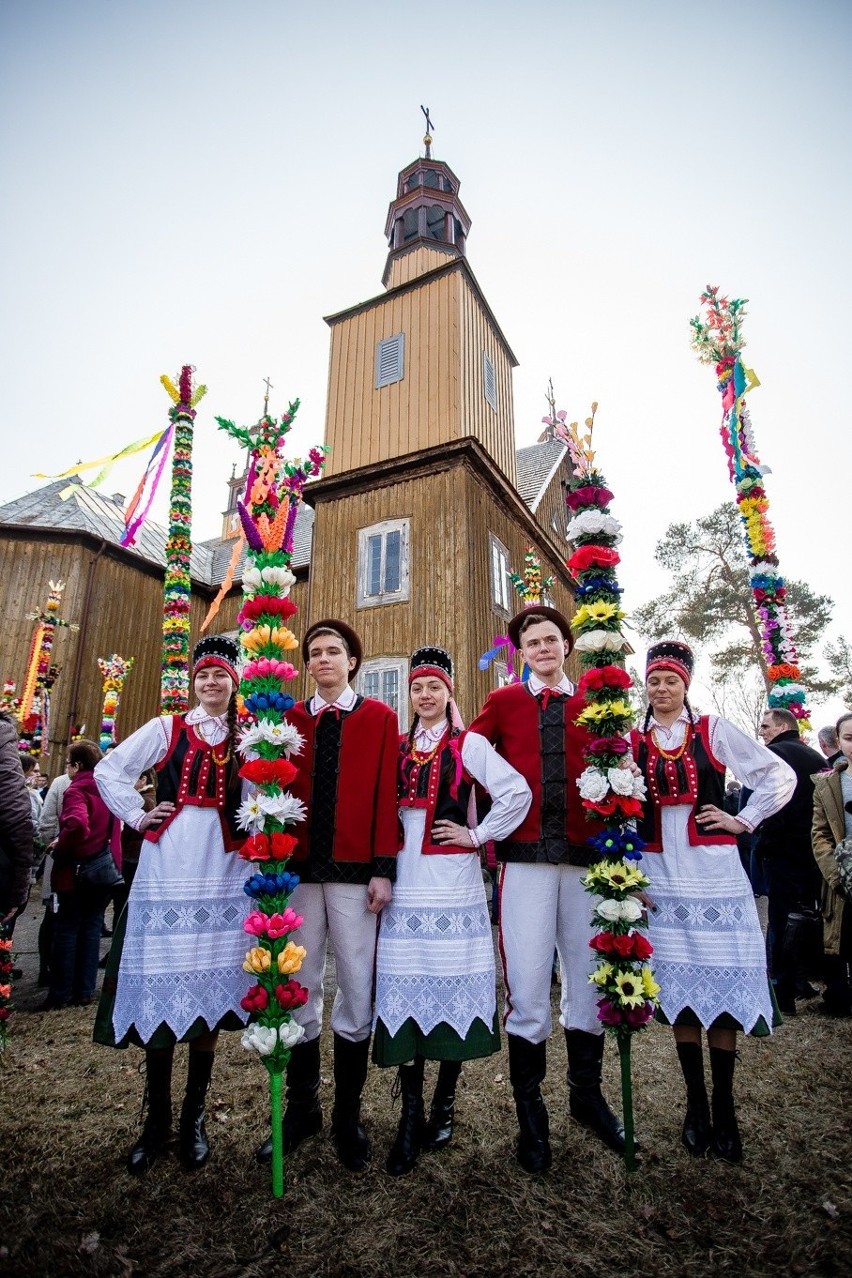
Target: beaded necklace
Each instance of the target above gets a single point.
(673, 754)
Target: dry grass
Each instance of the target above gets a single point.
(69, 1111)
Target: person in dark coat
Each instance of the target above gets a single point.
(16, 829)
(784, 843)
(86, 827)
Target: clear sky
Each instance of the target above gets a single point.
(201, 181)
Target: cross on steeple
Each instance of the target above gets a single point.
(427, 141)
(269, 387)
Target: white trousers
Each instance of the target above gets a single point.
(542, 908)
(337, 911)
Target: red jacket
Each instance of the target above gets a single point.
(366, 826)
(86, 825)
(510, 721)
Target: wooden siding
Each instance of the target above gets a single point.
(494, 429)
(124, 615)
(441, 395)
(452, 511)
(407, 266)
(551, 512)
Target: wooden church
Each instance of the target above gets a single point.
(424, 510)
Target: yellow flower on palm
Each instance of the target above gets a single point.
(601, 974)
(257, 638)
(630, 989)
(599, 612)
(621, 876)
(284, 638)
(257, 960)
(594, 713)
(291, 958)
(650, 988)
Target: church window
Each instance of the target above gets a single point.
(502, 675)
(501, 586)
(382, 678)
(390, 360)
(489, 381)
(383, 563)
(435, 222)
(410, 225)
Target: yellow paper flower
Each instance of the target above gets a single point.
(630, 989)
(621, 876)
(284, 638)
(599, 612)
(600, 710)
(650, 988)
(291, 958)
(257, 960)
(601, 974)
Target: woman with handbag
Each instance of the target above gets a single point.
(175, 972)
(86, 865)
(832, 824)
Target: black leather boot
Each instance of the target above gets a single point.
(527, 1068)
(350, 1075)
(157, 1129)
(405, 1150)
(194, 1148)
(697, 1132)
(585, 1099)
(438, 1131)
(303, 1114)
(726, 1134)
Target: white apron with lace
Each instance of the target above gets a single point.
(709, 951)
(435, 958)
(184, 943)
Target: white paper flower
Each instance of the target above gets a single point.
(593, 523)
(639, 791)
(593, 784)
(252, 580)
(250, 814)
(260, 1038)
(610, 911)
(282, 807)
(290, 1033)
(631, 910)
(281, 734)
(621, 780)
(278, 577)
(599, 641)
(250, 737)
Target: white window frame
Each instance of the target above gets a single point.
(380, 667)
(498, 572)
(489, 381)
(402, 593)
(390, 360)
(502, 675)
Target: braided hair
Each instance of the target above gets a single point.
(233, 775)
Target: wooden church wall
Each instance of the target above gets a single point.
(494, 429)
(367, 425)
(118, 606)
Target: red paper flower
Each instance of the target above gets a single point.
(256, 1000)
(291, 995)
(269, 771)
(272, 605)
(281, 846)
(255, 848)
(618, 803)
(604, 677)
(587, 557)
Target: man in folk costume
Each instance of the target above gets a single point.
(346, 862)
(543, 904)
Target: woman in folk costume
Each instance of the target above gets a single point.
(709, 952)
(175, 971)
(435, 986)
